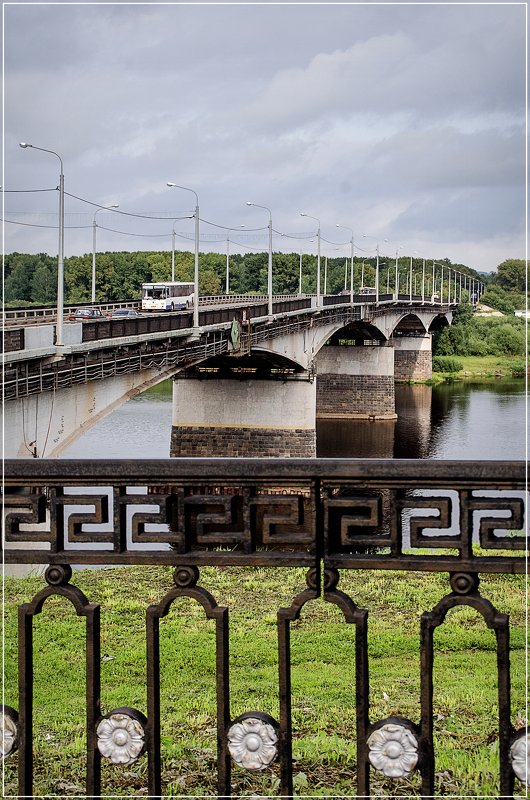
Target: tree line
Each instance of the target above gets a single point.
(31, 279)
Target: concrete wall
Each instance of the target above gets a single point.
(228, 417)
(413, 358)
(355, 382)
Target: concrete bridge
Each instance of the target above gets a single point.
(246, 383)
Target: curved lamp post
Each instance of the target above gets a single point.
(269, 267)
(227, 284)
(351, 263)
(410, 276)
(60, 255)
(94, 226)
(365, 236)
(196, 269)
(302, 214)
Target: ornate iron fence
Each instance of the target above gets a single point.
(460, 518)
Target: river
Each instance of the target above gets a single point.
(459, 420)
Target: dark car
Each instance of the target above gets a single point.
(124, 313)
(86, 313)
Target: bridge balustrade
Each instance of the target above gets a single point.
(329, 516)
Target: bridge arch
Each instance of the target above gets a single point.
(44, 425)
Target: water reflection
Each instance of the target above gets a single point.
(458, 420)
(451, 421)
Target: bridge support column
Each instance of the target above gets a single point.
(253, 418)
(412, 358)
(355, 382)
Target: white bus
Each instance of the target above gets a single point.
(167, 296)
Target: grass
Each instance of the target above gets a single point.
(480, 367)
(323, 679)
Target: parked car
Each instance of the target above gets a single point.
(124, 313)
(86, 313)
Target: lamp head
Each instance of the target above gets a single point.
(24, 144)
(249, 203)
(170, 184)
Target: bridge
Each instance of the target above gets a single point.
(246, 382)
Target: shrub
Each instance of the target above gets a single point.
(507, 340)
(446, 364)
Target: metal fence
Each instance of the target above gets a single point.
(459, 518)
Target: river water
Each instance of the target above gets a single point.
(460, 420)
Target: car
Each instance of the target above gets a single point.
(124, 313)
(86, 313)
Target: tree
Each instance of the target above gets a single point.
(511, 275)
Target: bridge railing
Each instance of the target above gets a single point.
(329, 516)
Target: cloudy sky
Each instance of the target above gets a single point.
(403, 122)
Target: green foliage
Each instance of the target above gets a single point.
(507, 339)
(446, 364)
(511, 275)
(506, 288)
(480, 336)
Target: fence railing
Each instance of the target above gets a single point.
(460, 518)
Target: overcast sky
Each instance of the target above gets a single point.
(403, 122)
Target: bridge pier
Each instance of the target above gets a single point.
(355, 382)
(412, 358)
(244, 417)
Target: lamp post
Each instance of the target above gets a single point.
(269, 265)
(303, 214)
(60, 255)
(196, 269)
(351, 262)
(423, 283)
(410, 278)
(365, 236)
(227, 281)
(300, 273)
(94, 226)
(396, 282)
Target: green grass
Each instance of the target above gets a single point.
(486, 367)
(323, 677)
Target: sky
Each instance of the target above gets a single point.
(403, 123)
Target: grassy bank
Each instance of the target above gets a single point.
(484, 367)
(323, 679)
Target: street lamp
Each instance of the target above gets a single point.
(94, 226)
(60, 255)
(269, 266)
(351, 263)
(196, 270)
(396, 292)
(303, 214)
(227, 286)
(365, 236)
(410, 277)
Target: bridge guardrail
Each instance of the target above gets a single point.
(329, 516)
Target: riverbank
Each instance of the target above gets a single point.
(481, 367)
(323, 677)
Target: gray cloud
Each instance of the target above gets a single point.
(404, 121)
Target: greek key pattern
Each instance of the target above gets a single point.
(347, 524)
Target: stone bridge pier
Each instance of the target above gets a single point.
(244, 411)
(412, 357)
(356, 381)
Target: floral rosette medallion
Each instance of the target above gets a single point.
(121, 735)
(253, 740)
(393, 749)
